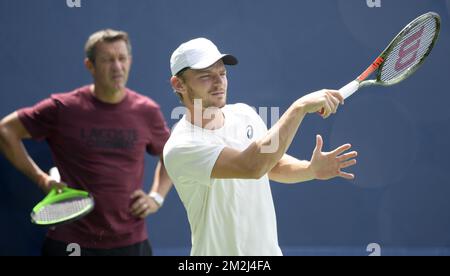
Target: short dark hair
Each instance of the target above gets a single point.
(180, 75)
(107, 35)
(181, 72)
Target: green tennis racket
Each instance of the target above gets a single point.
(62, 206)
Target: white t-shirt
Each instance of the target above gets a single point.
(227, 216)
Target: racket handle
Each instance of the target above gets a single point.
(54, 174)
(346, 91)
(349, 89)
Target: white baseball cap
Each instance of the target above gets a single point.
(199, 53)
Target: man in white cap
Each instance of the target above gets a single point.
(221, 157)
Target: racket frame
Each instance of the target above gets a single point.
(379, 63)
(57, 195)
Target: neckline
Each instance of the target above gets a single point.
(101, 103)
(225, 123)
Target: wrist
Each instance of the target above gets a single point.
(310, 171)
(157, 197)
(300, 107)
(42, 181)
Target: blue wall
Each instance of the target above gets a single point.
(287, 48)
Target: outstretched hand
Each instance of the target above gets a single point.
(327, 165)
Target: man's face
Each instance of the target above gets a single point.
(210, 85)
(112, 65)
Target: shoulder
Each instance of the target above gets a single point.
(240, 108)
(245, 114)
(184, 137)
(74, 97)
(146, 107)
(189, 149)
(176, 147)
(242, 111)
(180, 137)
(142, 101)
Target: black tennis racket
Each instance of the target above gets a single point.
(404, 55)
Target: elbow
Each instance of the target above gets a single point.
(258, 174)
(257, 164)
(258, 169)
(3, 137)
(3, 131)
(6, 134)
(264, 170)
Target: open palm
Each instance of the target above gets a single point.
(327, 165)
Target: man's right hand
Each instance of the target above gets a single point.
(326, 100)
(47, 183)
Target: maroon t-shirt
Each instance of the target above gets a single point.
(100, 148)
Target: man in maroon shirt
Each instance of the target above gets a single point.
(98, 135)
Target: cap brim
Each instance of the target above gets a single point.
(227, 60)
(230, 60)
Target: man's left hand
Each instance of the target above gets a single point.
(327, 165)
(143, 205)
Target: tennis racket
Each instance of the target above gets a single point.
(62, 205)
(404, 55)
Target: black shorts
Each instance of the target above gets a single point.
(57, 248)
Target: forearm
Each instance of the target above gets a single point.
(291, 170)
(262, 156)
(161, 181)
(14, 150)
(266, 153)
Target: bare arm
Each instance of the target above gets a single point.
(161, 182)
(323, 165)
(291, 170)
(261, 156)
(12, 132)
(144, 204)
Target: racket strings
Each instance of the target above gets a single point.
(409, 51)
(63, 210)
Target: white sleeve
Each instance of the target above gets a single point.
(188, 164)
(261, 124)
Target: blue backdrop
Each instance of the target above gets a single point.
(286, 48)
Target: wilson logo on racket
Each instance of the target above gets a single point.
(404, 55)
(411, 45)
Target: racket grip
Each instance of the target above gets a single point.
(349, 89)
(54, 174)
(346, 91)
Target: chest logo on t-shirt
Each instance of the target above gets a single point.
(250, 132)
(107, 138)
